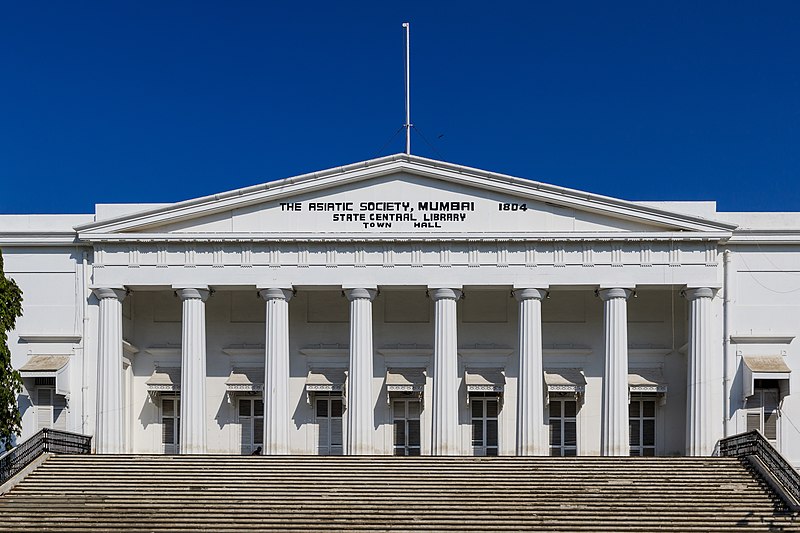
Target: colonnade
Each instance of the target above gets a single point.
(445, 437)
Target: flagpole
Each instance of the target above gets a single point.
(407, 125)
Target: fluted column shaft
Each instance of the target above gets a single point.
(445, 436)
(109, 419)
(700, 419)
(276, 371)
(615, 432)
(531, 431)
(359, 380)
(193, 371)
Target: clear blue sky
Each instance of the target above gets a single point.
(162, 101)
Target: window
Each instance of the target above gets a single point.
(329, 421)
(563, 425)
(251, 420)
(485, 407)
(642, 423)
(51, 408)
(171, 424)
(406, 426)
(762, 409)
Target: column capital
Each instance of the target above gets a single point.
(276, 294)
(445, 294)
(360, 294)
(193, 294)
(699, 292)
(530, 294)
(610, 294)
(107, 292)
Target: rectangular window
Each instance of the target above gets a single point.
(485, 408)
(642, 424)
(762, 412)
(563, 426)
(171, 424)
(51, 409)
(329, 411)
(406, 426)
(251, 421)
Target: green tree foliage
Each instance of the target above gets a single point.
(10, 381)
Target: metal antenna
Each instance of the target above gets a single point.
(408, 124)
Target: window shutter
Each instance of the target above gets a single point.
(413, 409)
(753, 421)
(244, 407)
(258, 431)
(336, 432)
(324, 441)
(170, 424)
(648, 432)
(771, 400)
(247, 433)
(167, 432)
(60, 412)
(414, 433)
(44, 408)
(570, 433)
(555, 432)
(634, 431)
(491, 433)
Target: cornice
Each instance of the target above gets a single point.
(245, 349)
(783, 236)
(55, 238)
(50, 338)
(766, 338)
(129, 348)
(162, 351)
(208, 237)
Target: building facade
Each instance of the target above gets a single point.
(408, 306)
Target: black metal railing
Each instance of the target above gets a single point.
(754, 443)
(47, 440)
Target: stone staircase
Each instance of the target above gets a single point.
(230, 493)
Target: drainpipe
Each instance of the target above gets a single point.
(726, 339)
(84, 329)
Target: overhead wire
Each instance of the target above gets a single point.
(431, 146)
(379, 152)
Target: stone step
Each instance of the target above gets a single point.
(307, 493)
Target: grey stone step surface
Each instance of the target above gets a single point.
(380, 493)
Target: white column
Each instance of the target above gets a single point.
(193, 371)
(359, 380)
(108, 433)
(276, 372)
(615, 433)
(701, 423)
(531, 431)
(446, 439)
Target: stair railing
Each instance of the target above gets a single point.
(753, 444)
(45, 441)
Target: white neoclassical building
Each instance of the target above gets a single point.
(408, 306)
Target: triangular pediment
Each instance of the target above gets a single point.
(402, 196)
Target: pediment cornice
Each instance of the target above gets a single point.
(140, 222)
